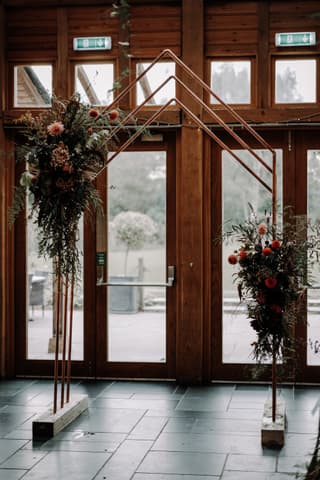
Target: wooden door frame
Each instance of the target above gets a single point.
(105, 369)
(277, 139)
(94, 310)
(303, 141)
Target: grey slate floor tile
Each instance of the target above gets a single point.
(155, 431)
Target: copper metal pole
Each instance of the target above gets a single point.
(274, 385)
(274, 188)
(64, 337)
(57, 324)
(198, 122)
(70, 336)
(185, 68)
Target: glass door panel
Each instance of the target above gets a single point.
(313, 305)
(137, 257)
(40, 310)
(239, 188)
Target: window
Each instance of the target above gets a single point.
(94, 82)
(152, 80)
(231, 81)
(295, 81)
(32, 86)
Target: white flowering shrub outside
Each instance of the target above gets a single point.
(133, 230)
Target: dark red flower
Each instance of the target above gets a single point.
(242, 254)
(275, 308)
(232, 259)
(93, 113)
(261, 298)
(266, 251)
(275, 244)
(113, 115)
(270, 282)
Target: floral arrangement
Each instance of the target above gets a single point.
(270, 277)
(64, 148)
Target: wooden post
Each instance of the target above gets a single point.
(189, 366)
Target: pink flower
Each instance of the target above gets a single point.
(55, 128)
(262, 229)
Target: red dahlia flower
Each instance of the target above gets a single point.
(270, 282)
(275, 244)
(232, 259)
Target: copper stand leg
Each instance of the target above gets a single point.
(63, 362)
(274, 386)
(70, 337)
(56, 356)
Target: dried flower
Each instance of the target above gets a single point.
(60, 156)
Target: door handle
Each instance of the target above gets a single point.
(170, 281)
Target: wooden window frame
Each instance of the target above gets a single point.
(299, 105)
(133, 100)
(11, 84)
(95, 61)
(253, 80)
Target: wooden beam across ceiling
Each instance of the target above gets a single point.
(75, 3)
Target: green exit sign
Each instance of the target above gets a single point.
(295, 39)
(92, 43)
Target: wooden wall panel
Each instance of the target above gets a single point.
(301, 16)
(230, 27)
(154, 29)
(92, 21)
(31, 33)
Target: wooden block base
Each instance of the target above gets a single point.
(47, 425)
(272, 433)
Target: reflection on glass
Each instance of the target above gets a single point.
(32, 85)
(231, 81)
(137, 253)
(239, 188)
(313, 326)
(152, 80)
(94, 83)
(295, 81)
(41, 303)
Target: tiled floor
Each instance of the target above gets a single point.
(155, 431)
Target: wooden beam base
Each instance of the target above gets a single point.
(272, 433)
(47, 425)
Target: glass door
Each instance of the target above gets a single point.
(136, 286)
(307, 199)
(234, 191)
